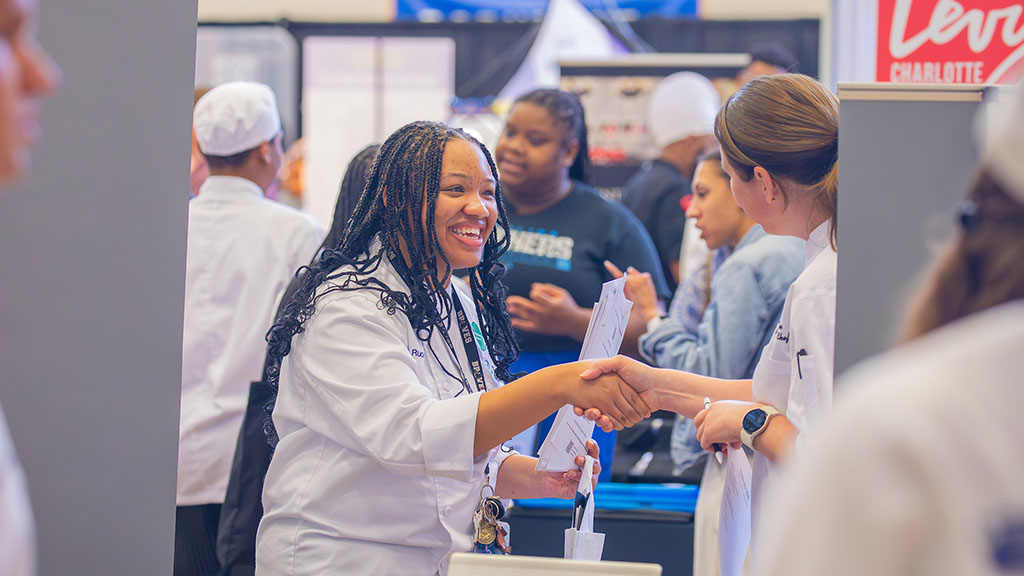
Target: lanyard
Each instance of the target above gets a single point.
(464, 329)
(467, 341)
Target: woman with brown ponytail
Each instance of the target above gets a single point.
(779, 140)
(920, 470)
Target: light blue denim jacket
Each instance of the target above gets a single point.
(747, 294)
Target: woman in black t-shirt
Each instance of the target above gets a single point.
(562, 233)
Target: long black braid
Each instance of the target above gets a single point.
(404, 183)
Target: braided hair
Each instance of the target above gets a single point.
(403, 183)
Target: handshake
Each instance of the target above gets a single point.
(619, 392)
(615, 393)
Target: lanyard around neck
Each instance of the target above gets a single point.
(467, 341)
(472, 355)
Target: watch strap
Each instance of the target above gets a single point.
(748, 437)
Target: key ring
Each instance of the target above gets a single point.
(486, 485)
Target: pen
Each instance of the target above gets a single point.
(716, 446)
(802, 352)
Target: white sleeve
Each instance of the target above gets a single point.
(365, 393)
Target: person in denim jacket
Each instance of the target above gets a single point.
(748, 289)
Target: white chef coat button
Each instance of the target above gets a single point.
(447, 510)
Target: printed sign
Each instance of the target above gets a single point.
(949, 42)
(490, 10)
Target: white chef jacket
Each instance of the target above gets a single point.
(17, 533)
(920, 470)
(242, 252)
(794, 374)
(374, 472)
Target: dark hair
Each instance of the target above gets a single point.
(567, 110)
(352, 186)
(713, 155)
(232, 161)
(773, 53)
(981, 268)
(408, 171)
(789, 125)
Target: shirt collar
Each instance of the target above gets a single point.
(229, 187)
(751, 236)
(817, 241)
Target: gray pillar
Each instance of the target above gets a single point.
(906, 160)
(92, 248)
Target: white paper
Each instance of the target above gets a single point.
(734, 517)
(569, 432)
(581, 545)
(607, 322)
(584, 544)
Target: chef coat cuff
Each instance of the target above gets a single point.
(449, 432)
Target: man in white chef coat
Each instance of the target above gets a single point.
(242, 251)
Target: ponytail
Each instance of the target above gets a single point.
(826, 192)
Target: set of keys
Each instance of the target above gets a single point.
(490, 534)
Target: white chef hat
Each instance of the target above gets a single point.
(235, 117)
(681, 105)
(1000, 129)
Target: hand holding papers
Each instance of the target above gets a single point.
(569, 433)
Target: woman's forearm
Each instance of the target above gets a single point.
(778, 440)
(684, 392)
(517, 478)
(507, 411)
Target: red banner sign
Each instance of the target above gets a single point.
(951, 42)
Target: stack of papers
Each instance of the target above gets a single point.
(569, 433)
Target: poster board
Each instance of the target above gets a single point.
(267, 54)
(356, 91)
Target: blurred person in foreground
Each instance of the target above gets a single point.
(921, 469)
(26, 74)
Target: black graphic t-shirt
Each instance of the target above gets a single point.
(567, 244)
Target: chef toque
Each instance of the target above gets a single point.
(682, 105)
(235, 117)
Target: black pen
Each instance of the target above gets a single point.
(802, 352)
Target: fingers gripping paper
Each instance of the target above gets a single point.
(569, 433)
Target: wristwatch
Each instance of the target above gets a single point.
(754, 423)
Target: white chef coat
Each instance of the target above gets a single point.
(17, 534)
(374, 472)
(799, 386)
(921, 470)
(242, 252)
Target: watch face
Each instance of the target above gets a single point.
(753, 421)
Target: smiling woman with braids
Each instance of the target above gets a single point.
(391, 405)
